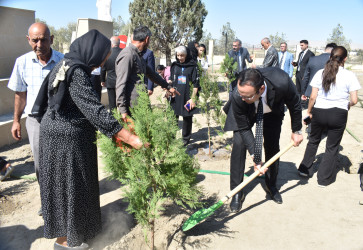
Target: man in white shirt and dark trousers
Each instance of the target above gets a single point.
(26, 79)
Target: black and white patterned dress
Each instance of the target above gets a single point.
(68, 162)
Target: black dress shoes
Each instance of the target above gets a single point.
(274, 194)
(304, 171)
(236, 203)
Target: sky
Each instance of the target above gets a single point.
(313, 20)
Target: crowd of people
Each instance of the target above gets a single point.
(57, 93)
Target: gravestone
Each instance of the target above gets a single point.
(14, 26)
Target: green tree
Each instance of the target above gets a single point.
(338, 37)
(161, 171)
(209, 103)
(120, 27)
(277, 39)
(171, 22)
(205, 39)
(64, 34)
(118, 24)
(229, 69)
(228, 35)
(360, 55)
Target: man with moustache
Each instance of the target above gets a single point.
(26, 79)
(240, 55)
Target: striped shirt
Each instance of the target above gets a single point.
(28, 75)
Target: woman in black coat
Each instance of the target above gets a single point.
(184, 76)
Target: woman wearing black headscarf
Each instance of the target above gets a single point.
(184, 76)
(68, 154)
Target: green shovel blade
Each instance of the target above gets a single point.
(200, 215)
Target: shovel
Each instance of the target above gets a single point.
(206, 212)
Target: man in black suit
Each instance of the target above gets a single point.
(109, 69)
(276, 89)
(314, 65)
(271, 58)
(301, 63)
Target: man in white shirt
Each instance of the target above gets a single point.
(26, 79)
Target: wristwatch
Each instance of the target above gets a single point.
(299, 132)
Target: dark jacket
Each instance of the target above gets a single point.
(280, 90)
(109, 68)
(149, 58)
(271, 58)
(189, 70)
(129, 66)
(244, 56)
(193, 51)
(304, 61)
(314, 65)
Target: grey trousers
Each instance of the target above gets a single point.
(32, 127)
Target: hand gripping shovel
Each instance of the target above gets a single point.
(206, 212)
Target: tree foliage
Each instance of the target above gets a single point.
(118, 24)
(338, 37)
(120, 27)
(151, 175)
(229, 69)
(228, 35)
(171, 22)
(209, 103)
(360, 55)
(64, 34)
(277, 39)
(205, 39)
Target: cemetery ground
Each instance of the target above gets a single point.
(309, 218)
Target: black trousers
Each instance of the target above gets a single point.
(271, 137)
(334, 121)
(360, 171)
(299, 77)
(3, 163)
(111, 92)
(187, 128)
